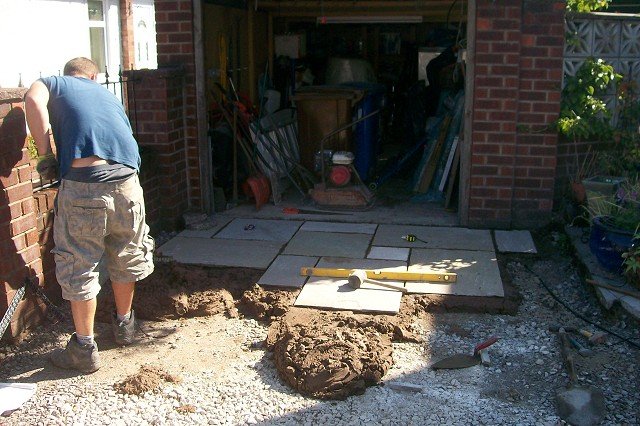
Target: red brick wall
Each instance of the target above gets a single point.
(157, 113)
(23, 226)
(126, 34)
(518, 71)
(174, 26)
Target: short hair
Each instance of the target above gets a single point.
(81, 66)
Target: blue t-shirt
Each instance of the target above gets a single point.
(87, 119)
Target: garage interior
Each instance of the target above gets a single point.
(337, 106)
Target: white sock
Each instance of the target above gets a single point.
(84, 340)
(125, 317)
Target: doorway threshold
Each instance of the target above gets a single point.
(294, 207)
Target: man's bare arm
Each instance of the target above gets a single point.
(36, 100)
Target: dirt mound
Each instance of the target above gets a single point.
(175, 290)
(149, 378)
(266, 304)
(331, 355)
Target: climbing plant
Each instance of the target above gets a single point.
(587, 5)
(583, 111)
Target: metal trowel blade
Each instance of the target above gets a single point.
(456, 361)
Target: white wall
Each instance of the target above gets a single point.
(39, 36)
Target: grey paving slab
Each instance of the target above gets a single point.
(260, 230)
(306, 243)
(285, 271)
(435, 237)
(337, 294)
(515, 242)
(631, 305)
(390, 253)
(205, 233)
(351, 228)
(218, 252)
(478, 273)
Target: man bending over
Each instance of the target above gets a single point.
(99, 210)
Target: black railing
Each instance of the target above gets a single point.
(124, 89)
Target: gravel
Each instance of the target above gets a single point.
(517, 388)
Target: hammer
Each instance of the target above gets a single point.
(581, 349)
(596, 338)
(359, 277)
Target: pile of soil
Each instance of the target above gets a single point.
(331, 355)
(267, 304)
(175, 290)
(149, 378)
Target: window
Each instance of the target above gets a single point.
(97, 39)
(142, 45)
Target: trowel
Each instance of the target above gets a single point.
(464, 360)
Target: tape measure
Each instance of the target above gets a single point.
(412, 238)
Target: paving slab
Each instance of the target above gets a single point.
(206, 233)
(350, 228)
(389, 253)
(306, 243)
(435, 237)
(631, 305)
(335, 293)
(478, 273)
(285, 271)
(515, 242)
(217, 252)
(606, 297)
(260, 230)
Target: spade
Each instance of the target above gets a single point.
(578, 405)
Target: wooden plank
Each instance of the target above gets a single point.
(447, 167)
(453, 178)
(251, 59)
(432, 162)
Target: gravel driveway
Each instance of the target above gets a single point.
(227, 378)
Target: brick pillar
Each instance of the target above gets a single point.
(156, 110)
(175, 37)
(518, 67)
(541, 64)
(19, 247)
(128, 57)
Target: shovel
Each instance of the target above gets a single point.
(464, 360)
(578, 405)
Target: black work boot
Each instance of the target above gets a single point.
(75, 356)
(123, 331)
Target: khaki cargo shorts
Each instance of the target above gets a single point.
(99, 232)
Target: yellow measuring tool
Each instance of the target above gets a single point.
(377, 274)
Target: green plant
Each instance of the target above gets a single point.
(631, 262)
(622, 209)
(587, 5)
(32, 150)
(583, 112)
(622, 156)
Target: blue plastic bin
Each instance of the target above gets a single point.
(368, 138)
